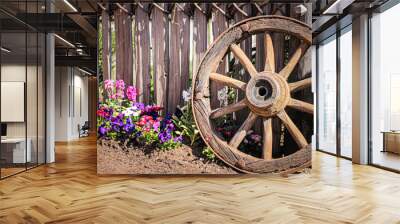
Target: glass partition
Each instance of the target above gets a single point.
(13, 86)
(385, 89)
(346, 71)
(326, 99)
(22, 77)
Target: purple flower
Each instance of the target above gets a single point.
(178, 139)
(139, 106)
(129, 126)
(164, 137)
(102, 131)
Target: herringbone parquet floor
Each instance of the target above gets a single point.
(69, 191)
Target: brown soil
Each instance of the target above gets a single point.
(114, 158)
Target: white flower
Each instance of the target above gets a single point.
(223, 96)
(128, 112)
(187, 95)
(132, 111)
(136, 114)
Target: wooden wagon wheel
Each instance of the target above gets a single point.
(267, 94)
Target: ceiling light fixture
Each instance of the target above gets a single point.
(301, 9)
(70, 5)
(5, 49)
(84, 71)
(65, 41)
(338, 6)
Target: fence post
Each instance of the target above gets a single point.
(279, 49)
(174, 82)
(199, 34)
(159, 41)
(219, 25)
(184, 40)
(123, 27)
(105, 21)
(142, 53)
(247, 48)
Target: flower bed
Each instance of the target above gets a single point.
(135, 139)
(122, 119)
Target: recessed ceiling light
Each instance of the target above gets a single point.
(65, 41)
(5, 50)
(70, 5)
(84, 71)
(338, 6)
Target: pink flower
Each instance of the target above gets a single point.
(156, 125)
(131, 93)
(255, 137)
(108, 84)
(120, 85)
(120, 88)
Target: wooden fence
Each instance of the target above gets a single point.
(157, 47)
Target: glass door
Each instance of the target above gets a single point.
(326, 95)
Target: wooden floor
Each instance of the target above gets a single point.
(386, 159)
(69, 191)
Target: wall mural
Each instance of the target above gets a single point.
(204, 88)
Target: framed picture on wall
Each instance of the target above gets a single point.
(208, 88)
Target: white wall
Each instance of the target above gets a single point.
(71, 102)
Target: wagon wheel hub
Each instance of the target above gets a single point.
(267, 94)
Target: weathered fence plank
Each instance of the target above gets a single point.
(105, 22)
(174, 76)
(185, 52)
(219, 25)
(304, 71)
(159, 24)
(123, 26)
(260, 56)
(279, 49)
(242, 13)
(199, 34)
(142, 53)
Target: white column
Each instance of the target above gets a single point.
(50, 99)
(360, 90)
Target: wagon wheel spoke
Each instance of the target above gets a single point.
(228, 81)
(296, 86)
(298, 54)
(241, 133)
(301, 106)
(228, 109)
(269, 53)
(292, 128)
(267, 138)
(244, 60)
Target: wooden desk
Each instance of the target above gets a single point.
(391, 141)
(13, 150)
